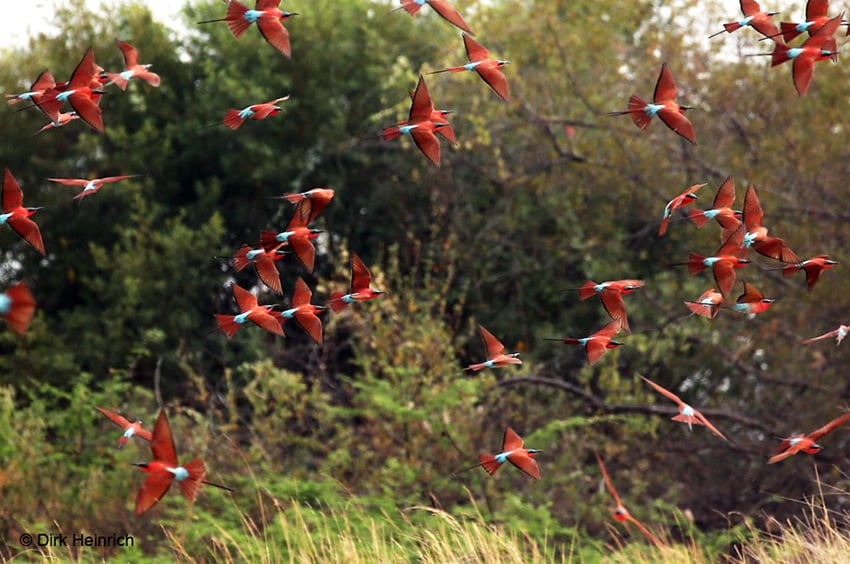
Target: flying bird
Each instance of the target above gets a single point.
(687, 414)
(813, 267)
(61, 120)
(263, 264)
(754, 17)
(728, 257)
(132, 68)
(721, 209)
(235, 118)
(360, 288)
(620, 512)
(164, 469)
(90, 186)
(816, 18)
(81, 92)
(611, 293)
(752, 301)
(268, 17)
(303, 312)
(15, 215)
(707, 304)
(596, 344)
(839, 335)
(319, 198)
(756, 237)
(496, 357)
(490, 70)
(419, 124)
(42, 84)
(513, 452)
(251, 311)
(17, 307)
(443, 8)
(297, 236)
(130, 429)
(806, 443)
(684, 199)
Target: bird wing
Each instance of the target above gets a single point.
(594, 349)
(609, 330)
(12, 195)
(162, 444)
(816, 9)
(827, 335)
(115, 418)
(267, 321)
(474, 50)
(27, 228)
(511, 441)
(664, 391)
(421, 105)
(753, 214)
(607, 479)
(246, 300)
(70, 181)
(825, 33)
(88, 111)
(84, 71)
(302, 294)
(495, 79)
(665, 87)
(724, 277)
(829, 427)
(361, 278)
(802, 70)
(131, 56)
(267, 272)
(524, 462)
(725, 196)
(702, 419)
(734, 243)
(612, 301)
(652, 538)
(676, 120)
(304, 251)
(152, 490)
(750, 7)
(494, 346)
(450, 14)
(427, 143)
(277, 35)
(311, 325)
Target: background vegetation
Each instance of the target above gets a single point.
(540, 195)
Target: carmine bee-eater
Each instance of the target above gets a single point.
(620, 512)
(490, 70)
(663, 105)
(297, 236)
(130, 429)
(513, 452)
(751, 302)
(303, 312)
(443, 8)
(756, 237)
(754, 17)
(611, 293)
(496, 357)
(596, 344)
(813, 268)
(684, 199)
(61, 120)
(82, 92)
(419, 125)
(90, 186)
(268, 17)
(17, 307)
(15, 215)
(437, 116)
(721, 209)
(319, 199)
(251, 311)
(687, 414)
(816, 18)
(707, 304)
(263, 263)
(728, 257)
(132, 68)
(806, 443)
(42, 84)
(839, 335)
(360, 289)
(164, 469)
(820, 46)
(235, 118)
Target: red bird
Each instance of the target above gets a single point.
(437, 116)
(263, 264)
(90, 186)
(496, 357)
(15, 215)
(513, 452)
(61, 119)
(266, 15)
(130, 429)
(707, 304)
(687, 414)
(728, 257)
(235, 118)
(816, 18)
(620, 512)
(664, 106)
(490, 70)
(420, 125)
(319, 198)
(753, 17)
(813, 267)
(42, 84)
(818, 47)
(132, 68)
(721, 209)
(17, 307)
(164, 469)
(839, 335)
(360, 289)
(443, 8)
(751, 301)
(684, 199)
(82, 92)
(756, 234)
(297, 236)
(611, 293)
(304, 312)
(596, 344)
(251, 311)
(806, 443)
